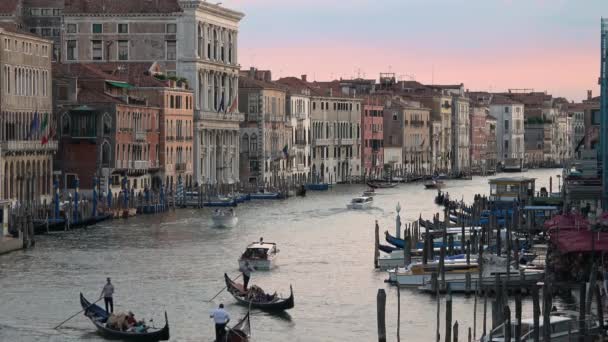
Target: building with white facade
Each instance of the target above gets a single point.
(509, 116)
(299, 111)
(207, 57)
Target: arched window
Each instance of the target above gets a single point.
(107, 124)
(253, 143)
(65, 124)
(200, 42)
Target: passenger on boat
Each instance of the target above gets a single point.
(131, 321)
(221, 318)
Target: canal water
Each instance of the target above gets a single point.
(175, 262)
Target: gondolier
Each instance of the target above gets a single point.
(246, 269)
(108, 296)
(221, 318)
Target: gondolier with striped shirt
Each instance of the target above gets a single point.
(108, 293)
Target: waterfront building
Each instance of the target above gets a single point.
(176, 103)
(577, 112)
(407, 126)
(509, 116)
(105, 131)
(266, 133)
(336, 122)
(207, 57)
(44, 19)
(372, 127)
(491, 153)
(478, 147)
(27, 142)
(298, 109)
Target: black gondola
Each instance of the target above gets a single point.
(99, 316)
(379, 185)
(386, 248)
(277, 304)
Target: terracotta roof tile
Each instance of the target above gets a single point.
(248, 82)
(503, 100)
(121, 6)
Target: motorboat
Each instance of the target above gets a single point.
(381, 185)
(417, 274)
(260, 255)
(434, 184)
(493, 266)
(563, 329)
(224, 218)
(369, 193)
(362, 202)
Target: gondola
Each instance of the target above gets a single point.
(99, 316)
(386, 248)
(397, 242)
(425, 223)
(377, 185)
(278, 304)
(241, 331)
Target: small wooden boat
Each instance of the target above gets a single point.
(266, 195)
(224, 218)
(381, 185)
(241, 331)
(99, 316)
(260, 255)
(360, 203)
(318, 186)
(434, 184)
(272, 302)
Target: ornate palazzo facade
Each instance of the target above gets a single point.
(207, 57)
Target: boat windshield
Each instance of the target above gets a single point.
(256, 253)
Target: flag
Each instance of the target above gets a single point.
(33, 125)
(285, 151)
(45, 122)
(234, 105)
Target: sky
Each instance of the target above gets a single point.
(489, 45)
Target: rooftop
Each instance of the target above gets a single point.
(121, 6)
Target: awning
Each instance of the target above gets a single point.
(568, 241)
(120, 84)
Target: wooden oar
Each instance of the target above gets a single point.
(222, 290)
(74, 315)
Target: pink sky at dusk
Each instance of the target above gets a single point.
(492, 45)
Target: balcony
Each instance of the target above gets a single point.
(140, 136)
(300, 167)
(139, 164)
(180, 167)
(417, 123)
(28, 146)
(232, 117)
(322, 142)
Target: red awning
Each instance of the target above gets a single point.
(572, 240)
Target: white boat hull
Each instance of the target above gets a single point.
(359, 206)
(391, 260)
(259, 264)
(225, 221)
(458, 284)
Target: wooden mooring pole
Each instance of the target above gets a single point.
(448, 316)
(381, 314)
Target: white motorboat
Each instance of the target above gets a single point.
(417, 274)
(492, 266)
(224, 218)
(260, 255)
(391, 260)
(563, 329)
(362, 202)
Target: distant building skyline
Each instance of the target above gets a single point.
(487, 45)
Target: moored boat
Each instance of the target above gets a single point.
(224, 218)
(434, 184)
(259, 300)
(381, 185)
(301, 191)
(99, 317)
(260, 255)
(369, 193)
(265, 195)
(360, 203)
(418, 274)
(317, 186)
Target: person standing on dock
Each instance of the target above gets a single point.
(108, 296)
(221, 318)
(246, 270)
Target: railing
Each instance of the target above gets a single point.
(180, 167)
(300, 167)
(140, 135)
(28, 146)
(140, 164)
(322, 142)
(417, 123)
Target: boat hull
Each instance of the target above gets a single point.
(280, 304)
(266, 196)
(318, 187)
(359, 206)
(459, 283)
(259, 264)
(225, 221)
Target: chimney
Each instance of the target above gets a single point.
(267, 76)
(331, 92)
(589, 95)
(251, 72)
(304, 78)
